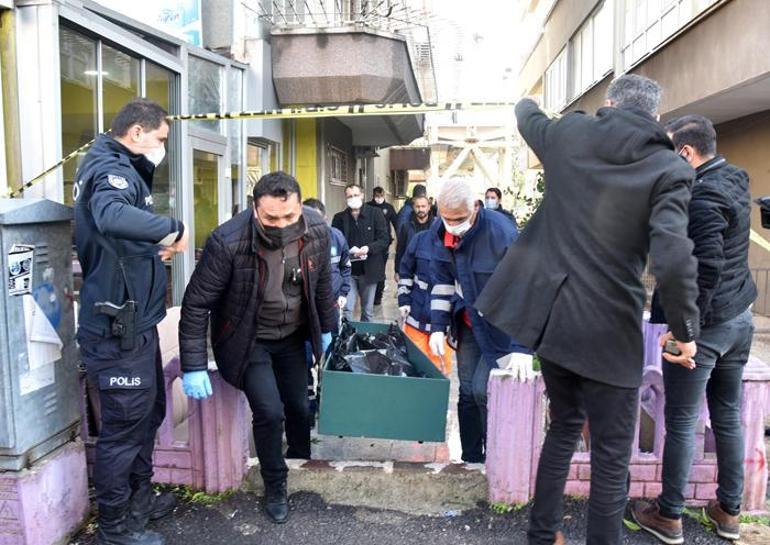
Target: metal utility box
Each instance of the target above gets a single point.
(385, 407)
(39, 392)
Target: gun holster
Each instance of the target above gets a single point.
(123, 321)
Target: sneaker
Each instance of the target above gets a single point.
(727, 526)
(647, 515)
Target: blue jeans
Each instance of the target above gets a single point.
(723, 350)
(473, 372)
(359, 288)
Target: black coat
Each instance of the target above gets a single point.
(372, 223)
(391, 216)
(720, 223)
(228, 285)
(570, 286)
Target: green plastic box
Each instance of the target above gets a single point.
(385, 407)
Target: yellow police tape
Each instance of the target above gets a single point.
(343, 110)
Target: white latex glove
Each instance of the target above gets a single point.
(341, 300)
(404, 310)
(521, 365)
(436, 343)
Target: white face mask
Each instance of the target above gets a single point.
(157, 155)
(458, 230)
(491, 204)
(379, 200)
(355, 202)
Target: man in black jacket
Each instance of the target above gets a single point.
(419, 221)
(570, 287)
(264, 279)
(365, 230)
(391, 219)
(720, 222)
(120, 242)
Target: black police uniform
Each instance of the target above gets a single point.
(117, 235)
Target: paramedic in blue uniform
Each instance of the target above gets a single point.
(120, 244)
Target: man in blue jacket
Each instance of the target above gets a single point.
(468, 243)
(120, 242)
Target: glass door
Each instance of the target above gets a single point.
(211, 194)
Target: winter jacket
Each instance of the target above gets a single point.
(371, 222)
(228, 286)
(340, 263)
(405, 234)
(459, 276)
(117, 235)
(570, 288)
(720, 222)
(414, 284)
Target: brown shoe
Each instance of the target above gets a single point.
(647, 515)
(727, 526)
(559, 539)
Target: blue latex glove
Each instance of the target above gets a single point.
(326, 341)
(196, 384)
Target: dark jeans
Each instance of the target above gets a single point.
(473, 372)
(275, 383)
(381, 285)
(611, 413)
(132, 399)
(723, 350)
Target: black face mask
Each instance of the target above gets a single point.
(279, 237)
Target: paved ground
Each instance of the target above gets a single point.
(238, 520)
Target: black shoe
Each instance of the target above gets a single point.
(115, 529)
(277, 502)
(147, 505)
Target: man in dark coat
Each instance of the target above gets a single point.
(365, 230)
(570, 287)
(391, 219)
(720, 222)
(264, 279)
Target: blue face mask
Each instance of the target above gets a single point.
(491, 204)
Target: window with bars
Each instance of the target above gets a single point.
(338, 166)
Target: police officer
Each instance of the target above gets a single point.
(120, 243)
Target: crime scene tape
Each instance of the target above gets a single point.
(308, 112)
(759, 240)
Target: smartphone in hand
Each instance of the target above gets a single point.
(672, 348)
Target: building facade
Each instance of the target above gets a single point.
(710, 56)
(69, 66)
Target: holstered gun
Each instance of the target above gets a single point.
(123, 322)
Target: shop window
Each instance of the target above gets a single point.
(120, 81)
(159, 86)
(204, 81)
(235, 132)
(206, 195)
(78, 99)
